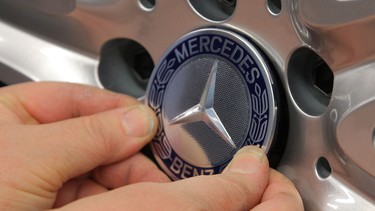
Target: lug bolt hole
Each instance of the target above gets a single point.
(214, 10)
(274, 6)
(147, 4)
(323, 168)
(323, 78)
(310, 80)
(125, 66)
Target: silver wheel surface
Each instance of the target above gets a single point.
(322, 52)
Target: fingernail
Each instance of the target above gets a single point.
(137, 122)
(247, 160)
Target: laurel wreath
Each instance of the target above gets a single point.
(163, 148)
(160, 143)
(258, 126)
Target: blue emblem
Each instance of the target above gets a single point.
(220, 56)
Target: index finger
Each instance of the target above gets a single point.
(46, 102)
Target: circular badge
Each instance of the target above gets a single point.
(212, 93)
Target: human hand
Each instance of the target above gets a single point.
(48, 163)
(61, 142)
(246, 184)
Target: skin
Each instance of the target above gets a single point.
(74, 147)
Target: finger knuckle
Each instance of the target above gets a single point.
(97, 133)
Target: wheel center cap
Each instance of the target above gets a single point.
(212, 92)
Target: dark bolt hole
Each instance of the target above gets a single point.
(323, 168)
(143, 64)
(323, 78)
(274, 6)
(125, 66)
(227, 6)
(228, 3)
(149, 4)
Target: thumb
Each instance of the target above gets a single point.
(76, 146)
(239, 187)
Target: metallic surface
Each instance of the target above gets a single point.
(45, 43)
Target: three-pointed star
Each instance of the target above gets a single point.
(204, 110)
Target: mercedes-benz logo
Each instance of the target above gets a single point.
(204, 110)
(212, 92)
